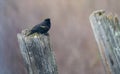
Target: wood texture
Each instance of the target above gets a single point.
(37, 53)
(106, 29)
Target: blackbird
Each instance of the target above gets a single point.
(41, 28)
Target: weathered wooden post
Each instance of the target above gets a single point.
(106, 29)
(37, 53)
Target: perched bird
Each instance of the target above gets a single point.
(41, 28)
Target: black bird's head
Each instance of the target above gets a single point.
(48, 21)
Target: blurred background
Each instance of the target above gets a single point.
(71, 35)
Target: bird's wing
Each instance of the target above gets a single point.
(44, 27)
(35, 28)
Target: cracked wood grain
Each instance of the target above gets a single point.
(106, 29)
(37, 53)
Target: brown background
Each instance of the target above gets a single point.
(71, 35)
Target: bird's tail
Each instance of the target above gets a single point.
(29, 33)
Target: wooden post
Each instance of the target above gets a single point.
(106, 29)
(37, 53)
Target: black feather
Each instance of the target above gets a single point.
(42, 27)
